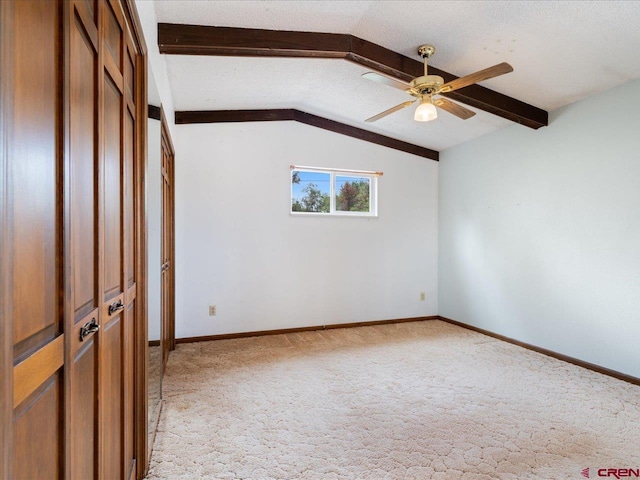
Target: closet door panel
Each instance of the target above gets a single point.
(83, 443)
(82, 197)
(111, 367)
(113, 33)
(130, 286)
(129, 73)
(83, 170)
(34, 176)
(113, 347)
(128, 393)
(30, 253)
(92, 7)
(112, 336)
(129, 204)
(112, 190)
(37, 431)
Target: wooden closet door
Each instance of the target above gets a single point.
(31, 247)
(118, 290)
(167, 247)
(130, 220)
(102, 290)
(71, 178)
(82, 221)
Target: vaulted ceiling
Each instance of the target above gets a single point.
(561, 51)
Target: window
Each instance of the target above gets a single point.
(325, 191)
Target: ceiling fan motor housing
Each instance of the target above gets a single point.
(425, 85)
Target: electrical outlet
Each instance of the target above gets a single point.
(423, 296)
(212, 310)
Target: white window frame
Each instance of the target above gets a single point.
(339, 172)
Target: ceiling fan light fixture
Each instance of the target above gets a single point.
(426, 111)
(423, 88)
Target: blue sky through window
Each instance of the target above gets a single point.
(321, 180)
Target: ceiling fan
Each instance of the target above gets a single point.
(424, 88)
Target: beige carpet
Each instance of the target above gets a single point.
(423, 400)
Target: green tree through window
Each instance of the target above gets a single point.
(312, 201)
(310, 192)
(353, 195)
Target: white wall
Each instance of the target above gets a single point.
(540, 231)
(238, 247)
(155, 61)
(159, 93)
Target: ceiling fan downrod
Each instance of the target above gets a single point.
(425, 52)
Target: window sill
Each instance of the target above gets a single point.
(330, 215)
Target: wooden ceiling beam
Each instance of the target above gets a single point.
(179, 39)
(272, 115)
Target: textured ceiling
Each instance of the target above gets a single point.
(561, 51)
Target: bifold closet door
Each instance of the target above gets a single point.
(118, 286)
(82, 219)
(102, 289)
(68, 255)
(167, 270)
(101, 182)
(31, 275)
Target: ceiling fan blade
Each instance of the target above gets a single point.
(386, 80)
(476, 77)
(390, 111)
(454, 108)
